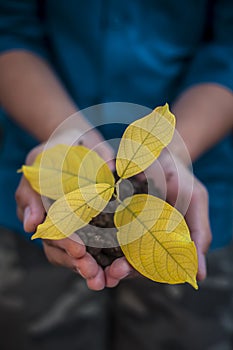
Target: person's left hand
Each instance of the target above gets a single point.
(189, 196)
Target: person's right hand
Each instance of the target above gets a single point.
(66, 252)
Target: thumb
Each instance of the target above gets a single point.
(30, 208)
(96, 142)
(34, 214)
(106, 152)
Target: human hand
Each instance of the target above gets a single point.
(178, 186)
(187, 194)
(67, 252)
(183, 190)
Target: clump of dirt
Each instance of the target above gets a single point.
(100, 236)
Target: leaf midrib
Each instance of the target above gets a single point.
(97, 195)
(151, 233)
(142, 143)
(62, 172)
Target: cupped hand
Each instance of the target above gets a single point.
(178, 186)
(66, 252)
(187, 194)
(176, 183)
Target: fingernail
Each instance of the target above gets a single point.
(202, 267)
(79, 272)
(26, 216)
(126, 269)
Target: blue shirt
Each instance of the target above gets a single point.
(144, 52)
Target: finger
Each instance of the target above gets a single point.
(30, 208)
(84, 263)
(111, 282)
(34, 214)
(202, 269)
(95, 141)
(141, 177)
(58, 257)
(118, 270)
(73, 248)
(98, 282)
(107, 153)
(197, 218)
(87, 266)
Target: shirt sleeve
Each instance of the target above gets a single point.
(213, 61)
(21, 27)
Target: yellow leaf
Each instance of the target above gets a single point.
(143, 141)
(155, 240)
(93, 169)
(52, 174)
(74, 211)
(62, 169)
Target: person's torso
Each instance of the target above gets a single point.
(134, 51)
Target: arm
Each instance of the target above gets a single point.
(29, 90)
(205, 108)
(204, 116)
(205, 113)
(34, 97)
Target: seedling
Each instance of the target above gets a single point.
(152, 234)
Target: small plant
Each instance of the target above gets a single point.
(153, 235)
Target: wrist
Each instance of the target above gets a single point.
(177, 151)
(203, 116)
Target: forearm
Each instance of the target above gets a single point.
(204, 115)
(32, 95)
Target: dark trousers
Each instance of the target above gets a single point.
(44, 307)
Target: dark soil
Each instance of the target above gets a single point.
(100, 235)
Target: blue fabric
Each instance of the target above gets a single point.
(215, 170)
(15, 144)
(144, 52)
